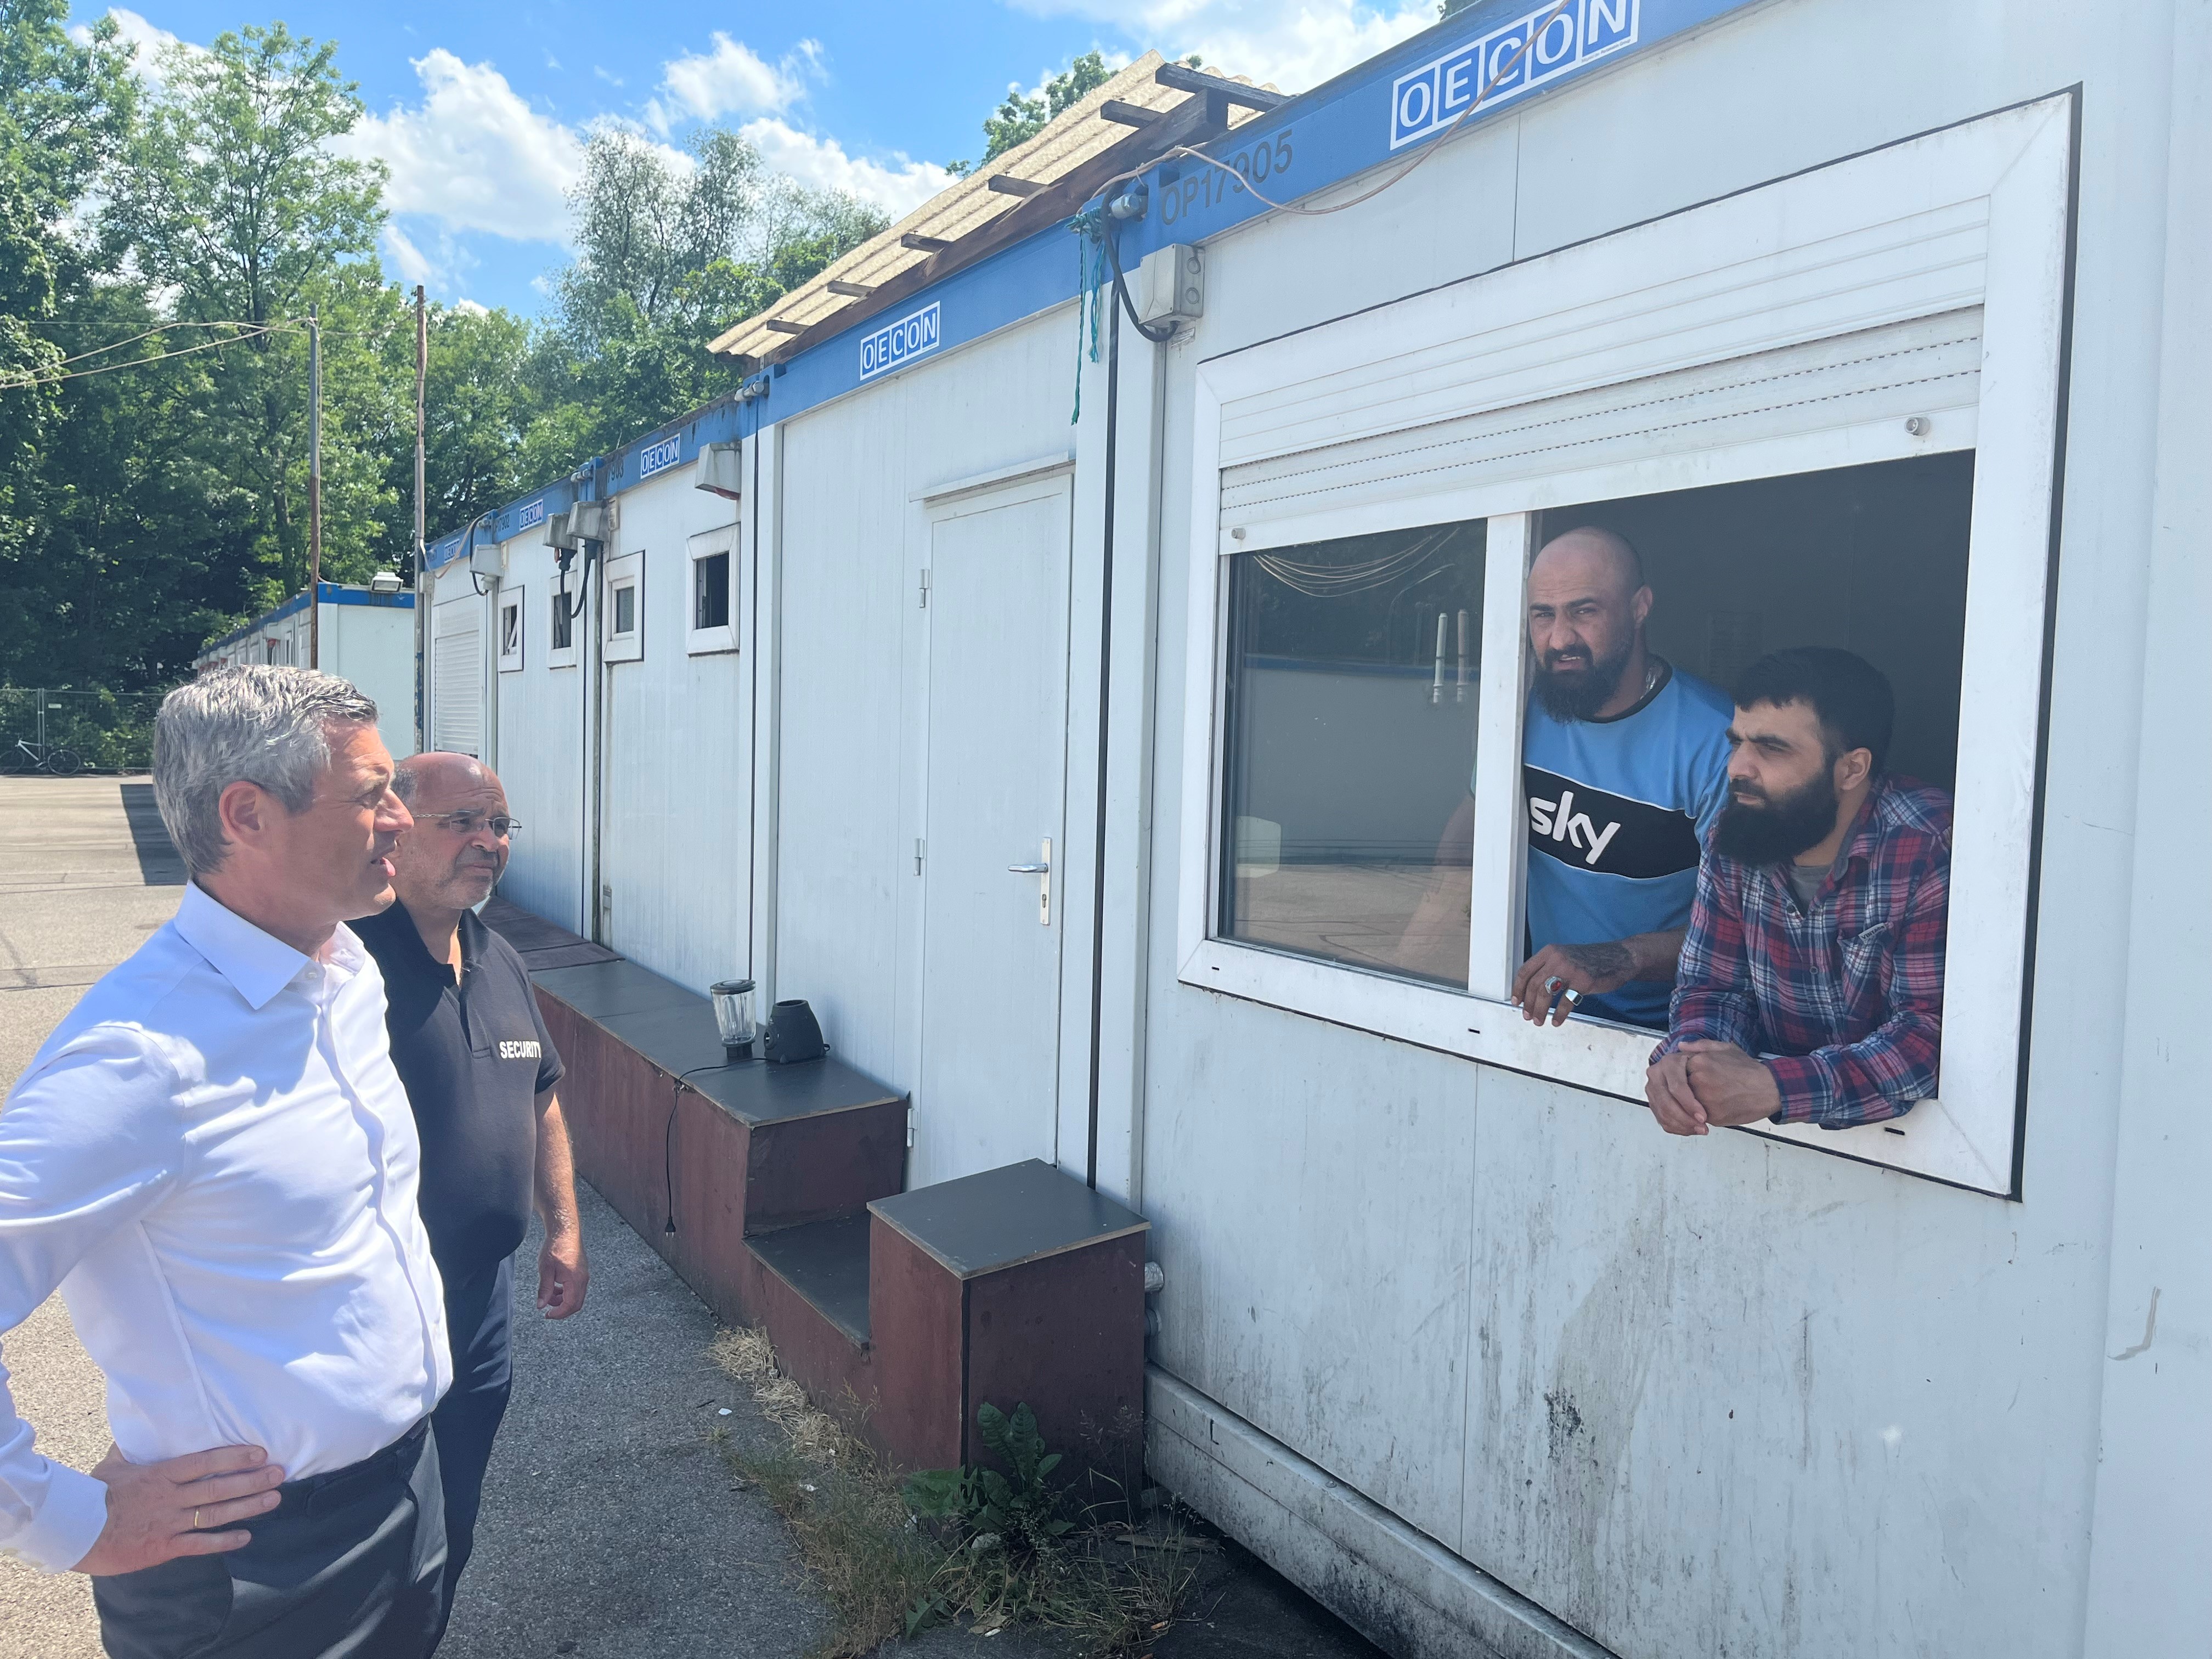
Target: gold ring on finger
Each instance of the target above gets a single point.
(195, 1520)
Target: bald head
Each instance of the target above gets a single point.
(453, 857)
(1590, 557)
(436, 771)
(1587, 604)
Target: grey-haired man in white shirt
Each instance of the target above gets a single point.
(213, 1161)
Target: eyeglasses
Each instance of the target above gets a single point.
(470, 823)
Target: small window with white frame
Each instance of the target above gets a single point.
(1768, 452)
(511, 610)
(623, 640)
(712, 621)
(563, 599)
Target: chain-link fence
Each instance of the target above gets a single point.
(43, 729)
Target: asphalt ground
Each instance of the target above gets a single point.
(612, 1528)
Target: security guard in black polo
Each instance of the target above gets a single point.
(480, 1071)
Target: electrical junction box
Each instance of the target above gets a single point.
(1170, 285)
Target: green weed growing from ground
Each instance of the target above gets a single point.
(989, 1546)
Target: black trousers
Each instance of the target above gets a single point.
(479, 1307)
(350, 1564)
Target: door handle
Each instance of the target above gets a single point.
(1042, 868)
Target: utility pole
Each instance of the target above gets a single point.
(422, 553)
(314, 489)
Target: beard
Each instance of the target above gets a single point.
(1579, 696)
(1784, 827)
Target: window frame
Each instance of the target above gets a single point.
(561, 656)
(2020, 162)
(708, 642)
(512, 595)
(626, 571)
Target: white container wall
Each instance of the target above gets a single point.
(1722, 1395)
(923, 745)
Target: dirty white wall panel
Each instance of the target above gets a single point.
(677, 760)
(1315, 1196)
(2149, 1591)
(541, 762)
(851, 674)
(1914, 1371)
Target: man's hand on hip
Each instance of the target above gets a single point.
(158, 1511)
(562, 1275)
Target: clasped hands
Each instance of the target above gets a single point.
(1702, 1083)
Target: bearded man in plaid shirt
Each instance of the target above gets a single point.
(1811, 985)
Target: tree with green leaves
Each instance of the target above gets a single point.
(668, 257)
(230, 199)
(1020, 118)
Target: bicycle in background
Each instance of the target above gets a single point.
(45, 757)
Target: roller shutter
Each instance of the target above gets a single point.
(457, 679)
(1922, 367)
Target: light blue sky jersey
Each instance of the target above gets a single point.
(1618, 812)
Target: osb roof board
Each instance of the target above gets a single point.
(1069, 160)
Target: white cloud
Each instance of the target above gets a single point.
(730, 80)
(410, 261)
(899, 185)
(471, 308)
(1292, 46)
(473, 155)
(149, 37)
(607, 76)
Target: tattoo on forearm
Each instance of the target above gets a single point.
(1601, 959)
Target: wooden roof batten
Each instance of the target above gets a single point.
(1145, 110)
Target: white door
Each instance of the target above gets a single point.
(997, 765)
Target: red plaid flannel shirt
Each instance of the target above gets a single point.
(1844, 1001)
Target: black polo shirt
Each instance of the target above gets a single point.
(474, 1057)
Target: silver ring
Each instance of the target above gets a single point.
(1551, 985)
(1573, 996)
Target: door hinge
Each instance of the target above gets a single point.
(925, 588)
(910, 1125)
(921, 848)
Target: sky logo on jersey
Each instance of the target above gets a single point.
(1532, 50)
(904, 340)
(1615, 834)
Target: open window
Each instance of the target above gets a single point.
(563, 599)
(714, 592)
(623, 640)
(1776, 398)
(510, 628)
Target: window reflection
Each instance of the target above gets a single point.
(1352, 698)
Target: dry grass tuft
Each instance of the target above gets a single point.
(878, 1566)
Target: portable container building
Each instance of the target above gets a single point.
(368, 636)
(1870, 324)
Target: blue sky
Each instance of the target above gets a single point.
(480, 110)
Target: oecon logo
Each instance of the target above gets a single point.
(660, 457)
(899, 343)
(1540, 47)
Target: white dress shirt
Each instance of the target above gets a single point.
(214, 1160)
